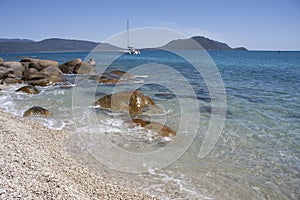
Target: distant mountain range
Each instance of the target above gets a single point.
(59, 45)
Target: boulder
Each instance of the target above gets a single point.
(11, 81)
(69, 67)
(36, 110)
(134, 102)
(52, 71)
(16, 67)
(39, 64)
(85, 68)
(4, 72)
(28, 89)
(92, 62)
(140, 104)
(161, 130)
(34, 76)
(46, 81)
(1, 60)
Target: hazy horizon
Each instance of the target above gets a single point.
(255, 25)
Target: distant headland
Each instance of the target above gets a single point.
(68, 45)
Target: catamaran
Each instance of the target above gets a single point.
(130, 50)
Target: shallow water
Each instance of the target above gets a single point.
(256, 156)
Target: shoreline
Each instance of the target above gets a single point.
(34, 164)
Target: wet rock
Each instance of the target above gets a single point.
(121, 74)
(34, 76)
(141, 104)
(134, 102)
(28, 89)
(46, 81)
(52, 71)
(85, 68)
(11, 81)
(39, 64)
(161, 130)
(165, 95)
(36, 111)
(69, 67)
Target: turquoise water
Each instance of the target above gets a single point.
(257, 155)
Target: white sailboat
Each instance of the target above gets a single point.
(130, 50)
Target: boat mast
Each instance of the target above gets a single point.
(128, 33)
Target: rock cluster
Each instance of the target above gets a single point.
(137, 105)
(36, 72)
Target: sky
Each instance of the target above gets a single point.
(254, 24)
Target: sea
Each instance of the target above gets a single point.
(236, 113)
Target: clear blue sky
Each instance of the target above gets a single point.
(255, 24)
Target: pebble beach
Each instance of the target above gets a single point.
(33, 164)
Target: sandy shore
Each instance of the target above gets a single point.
(34, 165)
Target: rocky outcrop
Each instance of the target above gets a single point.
(39, 64)
(28, 89)
(85, 68)
(4, 72)
(161, 130)
(34, 76)
(69, 67)
(78, 67)
(52, 71)
(16, 67)
(36, 111)
(134, 102)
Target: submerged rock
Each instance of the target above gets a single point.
(36, 110)
(134, 102)
(28, 89)
(161, 130)
(116, 76)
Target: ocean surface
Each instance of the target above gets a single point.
(256, 156)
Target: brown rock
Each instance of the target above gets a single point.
(28, 89)
(16, 67)
(85, 68)
(39, 64)
(34, 76)
(161, 130)
(141, 104)
(4, 72)
(1, 60)
(46, 81)
(136, 103)
(69, 67)
(121, 74)
(52, 71)
(36, 110)
(12, 81)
